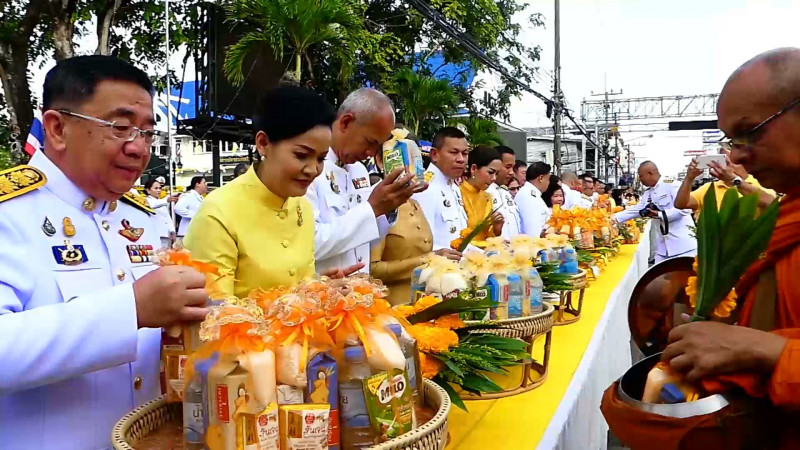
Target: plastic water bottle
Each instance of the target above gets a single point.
(409, 347)
(356, 431)
(571, 261)
(195, 405)
(535, 286)
(499, 288)
(516, 294)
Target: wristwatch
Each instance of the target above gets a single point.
(737, 181)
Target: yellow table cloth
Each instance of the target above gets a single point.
(519, 422)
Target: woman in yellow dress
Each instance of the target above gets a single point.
(259, 229)
(483, 164)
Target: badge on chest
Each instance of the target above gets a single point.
(69, 255)
(361, 183)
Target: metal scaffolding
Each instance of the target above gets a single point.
(597, 111)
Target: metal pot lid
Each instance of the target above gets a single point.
(657, 302)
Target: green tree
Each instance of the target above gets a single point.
(480, 131)
(421, 99)
(37, 30)
(294, 26)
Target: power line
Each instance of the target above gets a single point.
(467, 43)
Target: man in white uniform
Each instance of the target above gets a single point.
(572, 187)
(673, 225)
(532, 208)
(502, 200)
(81, 301)
(442, 203)
(189, 203)
(587, 191)
(349, 213)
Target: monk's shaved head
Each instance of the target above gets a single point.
(779, 68)
(756, 91)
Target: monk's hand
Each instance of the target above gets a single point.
(341, 273)
(706, 349)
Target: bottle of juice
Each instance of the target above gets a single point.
(356, 432)
(516, 294)
(409, 346)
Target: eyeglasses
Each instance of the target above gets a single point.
(748, 138)
(126, 132)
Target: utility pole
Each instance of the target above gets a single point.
(607, 127)
(557, 92)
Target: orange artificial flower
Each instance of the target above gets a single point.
(430, 366)
(451, 322)
(405, 310)
(426, 302)
(433, 339)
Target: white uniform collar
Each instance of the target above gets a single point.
(439, 176)
(535, 190)
(331, 156)
(63, 188)
(565, 188)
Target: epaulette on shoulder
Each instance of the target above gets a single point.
(20, 180)
(137, 202)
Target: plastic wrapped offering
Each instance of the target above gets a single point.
(401, 152)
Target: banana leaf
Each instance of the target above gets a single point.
(451, 306)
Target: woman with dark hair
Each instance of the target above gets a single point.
(483, 164)
(189, 203)
(259, 228)
(513, 186)
(553, 195)
(162, 219)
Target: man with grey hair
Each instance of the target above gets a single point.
(349, 213)
(572, 187)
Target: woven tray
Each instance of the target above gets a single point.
(432, 435)
(534, 373)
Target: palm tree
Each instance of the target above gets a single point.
(422, 97)
(293, 25)
(481, 131)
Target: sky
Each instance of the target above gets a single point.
(642, 47)
(652, 48)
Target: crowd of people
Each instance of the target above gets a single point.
(82, 304)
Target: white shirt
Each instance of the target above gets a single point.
(187, 206)
(344, 222)
(70, 349)
(443, 208)
(162, 220)
(532, 209)
(571, 196)
(679, 239)
(503, 201)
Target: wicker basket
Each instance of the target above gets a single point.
(145, 419)
(527, 329)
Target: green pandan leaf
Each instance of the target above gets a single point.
(450, 392)
(729, 241)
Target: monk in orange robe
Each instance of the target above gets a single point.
(759, 110)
